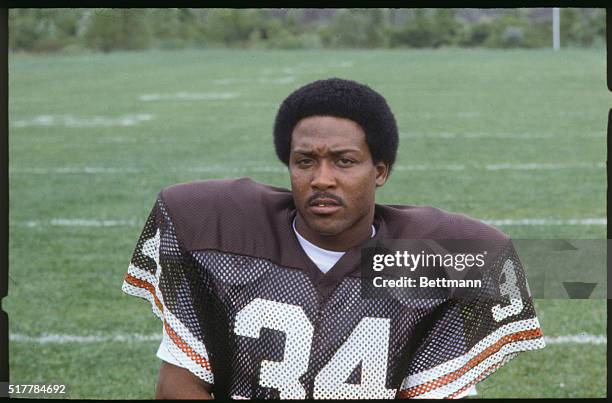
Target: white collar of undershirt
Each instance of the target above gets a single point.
(324, 259)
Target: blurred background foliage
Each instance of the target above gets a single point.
(105, 30)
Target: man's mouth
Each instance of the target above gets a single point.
(324, 205)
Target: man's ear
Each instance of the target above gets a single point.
(382, 173)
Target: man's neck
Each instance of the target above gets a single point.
(347, 239)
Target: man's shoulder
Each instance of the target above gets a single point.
(213, 213)
(428, 222)
(236, 192)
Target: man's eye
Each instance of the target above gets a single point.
(304, 162)
(345, 162)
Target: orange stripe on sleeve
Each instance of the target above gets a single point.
(186, 348)
(136, 282)
(450, 377)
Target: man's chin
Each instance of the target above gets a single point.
(325, 230)
(324, 225)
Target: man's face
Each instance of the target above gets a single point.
(333, 180)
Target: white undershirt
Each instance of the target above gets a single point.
(324, 259)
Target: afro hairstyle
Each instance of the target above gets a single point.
(340, 98)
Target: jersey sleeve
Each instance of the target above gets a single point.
(161, 271)
(164, 354)
(476, 334)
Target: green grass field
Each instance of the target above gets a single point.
(460, 112)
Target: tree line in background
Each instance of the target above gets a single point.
(73, 30)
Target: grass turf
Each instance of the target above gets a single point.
(454, 107)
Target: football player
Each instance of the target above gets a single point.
(259, 288)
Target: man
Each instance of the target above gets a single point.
(259, 288)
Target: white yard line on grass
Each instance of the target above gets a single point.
(72, 222)
(71, 338)
(48, 338)
(531, 166)
(261, 80)
(577, 339)
(535, 165)
(74, 121)
(426, 167)
(279, 80)
(234, 169)
(76, 222)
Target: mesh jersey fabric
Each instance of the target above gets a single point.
(323, 258)
(244, 309)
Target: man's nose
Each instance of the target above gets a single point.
(323, 176)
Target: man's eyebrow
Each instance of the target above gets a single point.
(335, 152)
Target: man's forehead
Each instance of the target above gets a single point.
(328, 132)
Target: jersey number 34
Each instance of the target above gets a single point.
(362, 346)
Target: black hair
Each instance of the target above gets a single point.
(340, 98)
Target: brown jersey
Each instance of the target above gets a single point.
(245, 309)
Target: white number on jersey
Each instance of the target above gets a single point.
(510, 289)
(368, 344)
(287, 318)
(363, 346)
